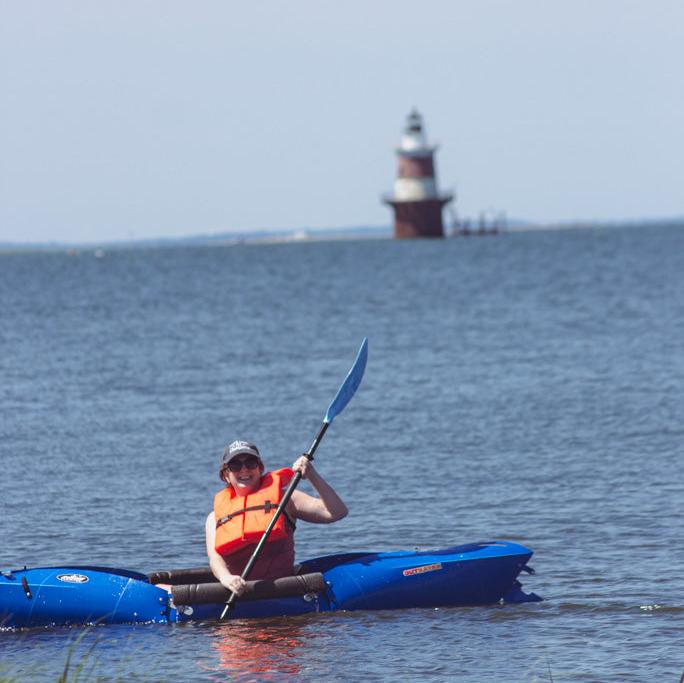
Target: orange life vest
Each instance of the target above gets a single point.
(242, 520)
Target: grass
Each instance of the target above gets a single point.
(79, 667)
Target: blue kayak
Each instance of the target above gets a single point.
(474, 574)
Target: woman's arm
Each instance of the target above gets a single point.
(218, 566)
(324, 510)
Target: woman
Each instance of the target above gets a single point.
(244, 508)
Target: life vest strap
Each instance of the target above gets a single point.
(266, 507)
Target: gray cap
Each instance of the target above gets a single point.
(239, 448)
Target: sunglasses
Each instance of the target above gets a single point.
(251, 463)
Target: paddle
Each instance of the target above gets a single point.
(339, 403)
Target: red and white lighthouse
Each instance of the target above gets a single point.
(416, 201)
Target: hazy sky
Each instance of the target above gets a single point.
(164, 118)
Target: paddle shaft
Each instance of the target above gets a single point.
(279, 511)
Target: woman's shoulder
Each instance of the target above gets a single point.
(297, 497)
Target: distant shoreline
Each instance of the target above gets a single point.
(311, 235)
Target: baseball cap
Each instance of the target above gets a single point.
(239, 448)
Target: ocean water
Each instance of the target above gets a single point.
(526, 387)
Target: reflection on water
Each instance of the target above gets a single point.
(264, 647)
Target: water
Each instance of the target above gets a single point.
(524, 387)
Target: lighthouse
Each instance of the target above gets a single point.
(416, 201)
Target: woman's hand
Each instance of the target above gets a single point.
(303, 464)
(234, 583)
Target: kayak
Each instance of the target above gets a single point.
(474, 574)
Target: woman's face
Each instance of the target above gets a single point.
(243, 473)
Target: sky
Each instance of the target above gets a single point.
(150, 118)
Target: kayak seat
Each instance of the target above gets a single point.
(178, 576)
(175, 577)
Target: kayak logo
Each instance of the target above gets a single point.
(423, 569)
(73, 578)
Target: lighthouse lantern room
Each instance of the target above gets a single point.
(416, 201)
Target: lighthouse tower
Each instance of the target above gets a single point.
(416, 201)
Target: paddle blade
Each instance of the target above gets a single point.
(350, 384)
